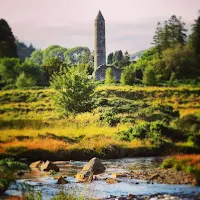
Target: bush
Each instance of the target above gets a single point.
(128, 76)
(109, 79)
(24, 82)
(149, 77)
(109, 117)
(9, 87)
(74, 91)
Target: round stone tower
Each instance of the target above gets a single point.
(99, 41)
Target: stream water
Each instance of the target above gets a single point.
(100, 189)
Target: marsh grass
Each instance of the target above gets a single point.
(28, 120)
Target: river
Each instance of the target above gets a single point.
(46, 183)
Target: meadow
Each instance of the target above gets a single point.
(125, 121)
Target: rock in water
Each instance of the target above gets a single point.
(112, 181)
(36, 164)
(47, 166)
(94, 165)
(61, 180)
(84, 176)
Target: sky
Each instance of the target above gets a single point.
(130, 24)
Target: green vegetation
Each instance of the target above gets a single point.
(118, 59)
(8, 47)
(124, 121)
(128, 76)
(24, 82)
(188, 163)
(109, 78)
(73, 91)
(8, 167)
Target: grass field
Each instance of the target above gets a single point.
(29, 122)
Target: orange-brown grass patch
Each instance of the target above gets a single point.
(46, 144)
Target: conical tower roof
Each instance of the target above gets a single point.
(99, 16)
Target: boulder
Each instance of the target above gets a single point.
(61, 180)
(112, 181)
(94, 165)
(36, 164)
(121, 175)
(47, 166)
(84, 176)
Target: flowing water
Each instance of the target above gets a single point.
(99, 189)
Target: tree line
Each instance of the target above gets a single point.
(175, 56)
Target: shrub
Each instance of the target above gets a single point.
(24, 82)
(109, 117)
(128, 76)
(149, 76)
(8, 167)
(109, 79)
(74, 91)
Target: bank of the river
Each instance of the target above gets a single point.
(107, 152)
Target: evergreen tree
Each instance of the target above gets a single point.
(169, 34)
(8, 47)
(195, 36)
(110, 58)
(157, 38)
(23, 50)
(118, 56)
(109, 79)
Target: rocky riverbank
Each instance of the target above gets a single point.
(166, 176)
(155, 197)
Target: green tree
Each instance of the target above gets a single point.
(77, 55)
(169, 34)
(110, 58)
(23, 50)
(37, 57)
(8, 47)
(109, 78)
(32, 70)
(52, 65)
(9, 70)
(149, 77)
(54, 51)
(73, 90)
(117, 57)
(128, 76)
(195, 36)
(157, 38)
(24, 82)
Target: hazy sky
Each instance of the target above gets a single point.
(130, 24)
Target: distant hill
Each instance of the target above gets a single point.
(136, 56)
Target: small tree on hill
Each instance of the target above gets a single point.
(149, 77)
(109, 79)
(73, 91)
